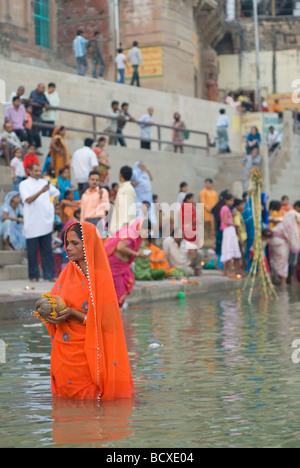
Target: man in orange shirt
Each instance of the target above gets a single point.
(95, 201)
(209, 198)
(276, 107)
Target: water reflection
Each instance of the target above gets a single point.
(211, 372)
(89, 423)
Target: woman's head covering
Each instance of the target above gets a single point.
(289, 230)
(144, 186)
(105, 345)
(56, 130)
(10, 196)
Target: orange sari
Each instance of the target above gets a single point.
(90, 362)
(158, 254)
(61, 158)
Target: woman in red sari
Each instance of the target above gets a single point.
(190, 222)
(89, 357)
(122, 250)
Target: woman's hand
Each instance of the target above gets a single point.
(63, 317)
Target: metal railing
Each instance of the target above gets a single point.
(97, 132)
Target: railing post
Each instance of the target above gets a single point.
(159, 137)
(266, 169)
(95, 127)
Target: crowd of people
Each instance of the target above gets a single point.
(142, 241)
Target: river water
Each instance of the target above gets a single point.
(211, 371)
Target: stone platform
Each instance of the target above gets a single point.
(25, 293)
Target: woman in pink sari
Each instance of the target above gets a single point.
(122, 250)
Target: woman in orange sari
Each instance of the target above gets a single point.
(89, 357)
(59, 150)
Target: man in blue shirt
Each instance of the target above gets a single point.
(79, 45)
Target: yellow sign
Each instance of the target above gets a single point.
(196, 50)
(285, 102)
(153, 63)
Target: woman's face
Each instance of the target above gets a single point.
(15, 201)
(74, 247)
(65, 174)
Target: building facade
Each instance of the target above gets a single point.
(177, 37)
(279, 34)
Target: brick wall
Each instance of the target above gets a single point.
(88, 15)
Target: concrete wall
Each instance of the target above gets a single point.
(87, 94)
(239, 71)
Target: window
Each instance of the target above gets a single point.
(42, 23)
(269, 8)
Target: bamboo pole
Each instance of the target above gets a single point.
(258, 269)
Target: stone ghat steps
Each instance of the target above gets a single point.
(12, 257)
(14, 272)
(13, 265)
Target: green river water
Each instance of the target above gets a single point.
(209, 372)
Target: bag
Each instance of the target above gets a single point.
(186, 135)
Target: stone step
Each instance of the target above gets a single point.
(12, 257)
(14, 272)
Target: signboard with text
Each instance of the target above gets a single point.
(153, 63)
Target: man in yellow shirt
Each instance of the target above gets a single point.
(209, 198)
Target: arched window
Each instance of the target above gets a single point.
(42, 23)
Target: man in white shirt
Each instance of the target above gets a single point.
(222, 125)
(38, 222)
(84, 161)
(20, 93)
(135, 58)
(50, 116)
(125, 209)
(145, 134)
(111, 125)
(120, 61)
(274, 139)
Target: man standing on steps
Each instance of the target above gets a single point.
(38, 222)
(39, 104)
(79, 45)
(222, 132)
(95, 48)
(145, 124)
(135, 58)
(84, 161)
